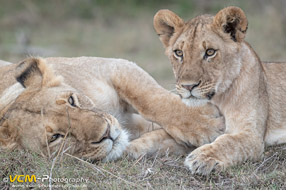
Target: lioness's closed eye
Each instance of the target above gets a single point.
(213, 63)
(43, 111)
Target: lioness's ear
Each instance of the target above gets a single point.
(34, 72)
(166, 23)
(7, 137)
(231, 20)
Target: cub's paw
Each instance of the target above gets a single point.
(206, 126)
(212, 118)
(212, 128)
(201, 161)
(210, 110)
(204, 131)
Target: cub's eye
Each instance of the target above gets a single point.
(71, 101)
(178, 53)
(55, 137)
(210, 52)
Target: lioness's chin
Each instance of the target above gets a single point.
(119, 146)
(194, 102)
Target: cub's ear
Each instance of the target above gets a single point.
(34, 72)
(166, 23)
(231, 21)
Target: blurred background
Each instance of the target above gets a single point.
(124, 29)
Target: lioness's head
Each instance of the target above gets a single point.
(49, 115)
(204, 52)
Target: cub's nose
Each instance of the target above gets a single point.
(191, 85)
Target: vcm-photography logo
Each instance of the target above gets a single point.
(33, 178)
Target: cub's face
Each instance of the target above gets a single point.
(204, 52)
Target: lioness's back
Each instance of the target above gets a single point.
(4, 63)
(7, 73)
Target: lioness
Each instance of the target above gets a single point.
(213, 63)
(4, 63)
(85, 102)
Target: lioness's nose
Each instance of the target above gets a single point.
(191, 85)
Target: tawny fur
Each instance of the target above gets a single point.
(249, 94)
(4, 63)
(108, 89)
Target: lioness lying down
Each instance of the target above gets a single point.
(85, 102)
(213, 63)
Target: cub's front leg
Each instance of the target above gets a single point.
(244, 140)
(188, 126)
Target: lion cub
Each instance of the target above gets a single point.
(213, 63)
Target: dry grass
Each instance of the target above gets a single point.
(58, 28)
(165, 172)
